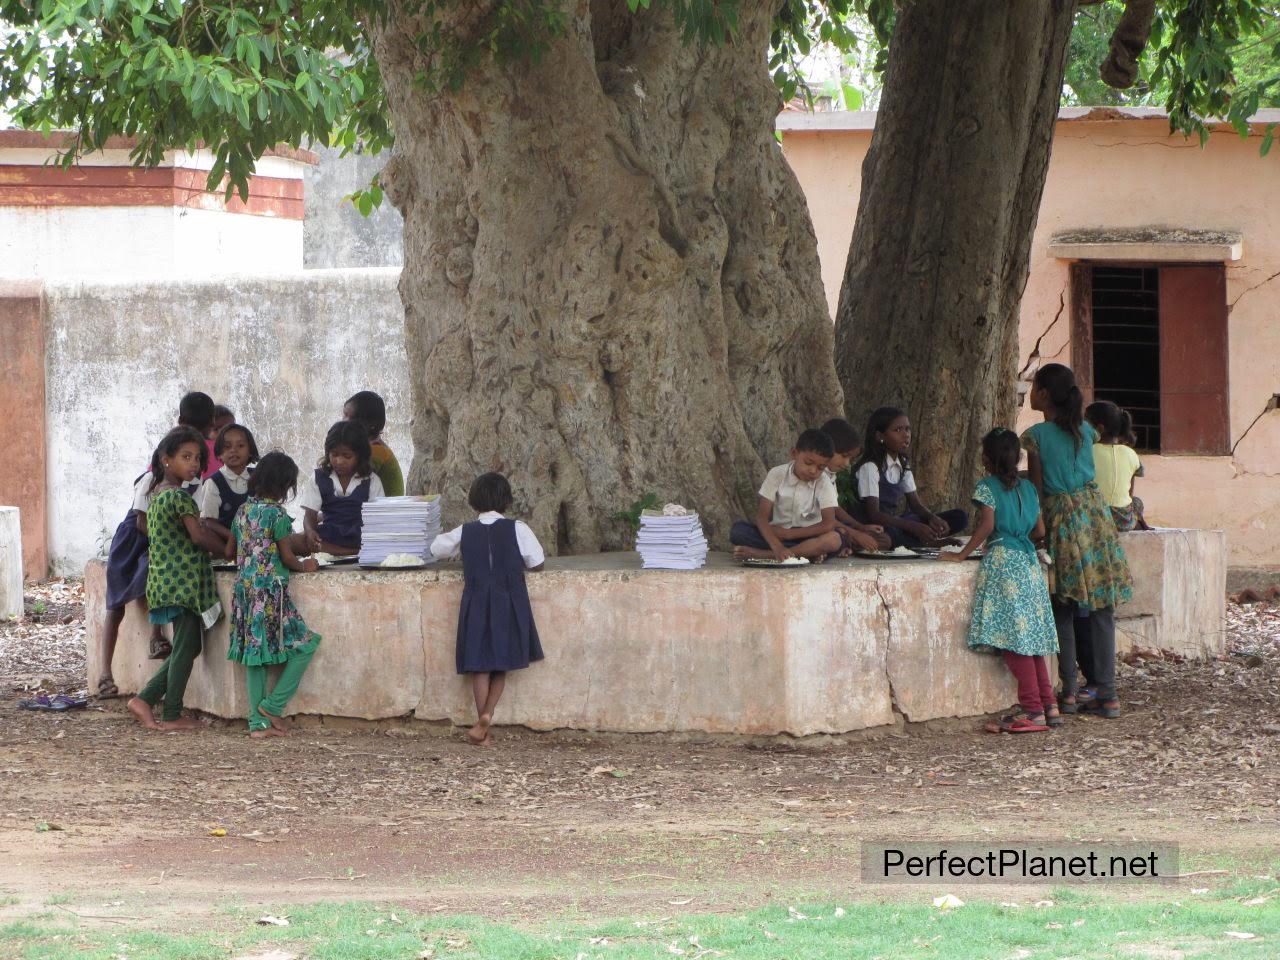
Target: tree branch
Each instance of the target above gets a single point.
(1129, 39)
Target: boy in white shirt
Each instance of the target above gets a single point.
(795, 514)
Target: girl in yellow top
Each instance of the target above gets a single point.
(1116, 464)
(367, 408)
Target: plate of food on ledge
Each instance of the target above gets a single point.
(897, 553)
(396, 562)
(791, 563)
(329, 560)
(933, 552)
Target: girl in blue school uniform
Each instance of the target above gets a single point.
(341, 486)
(227, 489)
(496, 632)
(1011, 611)
(885, 485)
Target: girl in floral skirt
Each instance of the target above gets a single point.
(1089, 569)
(266, 627)
(1011, 612)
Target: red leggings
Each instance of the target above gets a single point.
(1035, 690)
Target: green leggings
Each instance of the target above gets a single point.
(286, 686)
(170, 681)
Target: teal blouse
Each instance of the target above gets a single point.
(1016, 512)
(1067, 468)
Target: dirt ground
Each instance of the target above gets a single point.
(95, 810)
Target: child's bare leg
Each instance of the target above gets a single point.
(298, 541)
(107, 651)
(334, 550)
(817, 548)
(497, 682)
(752, 553)
(142, 711)
(480, 691)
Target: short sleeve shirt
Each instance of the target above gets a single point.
(211, 500)
(1115, 466)
(869, 478)
(142, 493)
(797, 503)
(1066, 466)
(311, 499)
(448, 546)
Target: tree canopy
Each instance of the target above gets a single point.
(241, 78)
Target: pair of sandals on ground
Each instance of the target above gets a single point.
(1083, 701)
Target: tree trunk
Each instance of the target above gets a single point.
(611, 282)
(928, 314)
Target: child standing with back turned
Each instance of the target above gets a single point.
(496, 632)
(1089, 569)
(1116, 464)
(1011, 611)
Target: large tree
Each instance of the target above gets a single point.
(611, 283)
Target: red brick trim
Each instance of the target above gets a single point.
(59, 140)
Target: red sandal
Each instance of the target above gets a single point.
(1016, 723)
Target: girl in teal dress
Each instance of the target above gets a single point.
(1089, 570)
(1011, 612)
(266, 627)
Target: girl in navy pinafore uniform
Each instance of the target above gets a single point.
(496, 632)
(227, 489)
(885, 483)
(332, 504)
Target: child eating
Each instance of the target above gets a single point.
(864, 536)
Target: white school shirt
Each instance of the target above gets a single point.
(142, 493)
(311, 499)
(448, 546)
(797, 503)
(869, 478)
(211, 498)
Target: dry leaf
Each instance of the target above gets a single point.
(948, 902)
(272, 921)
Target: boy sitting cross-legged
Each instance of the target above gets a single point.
(795, 515)
(847, 445)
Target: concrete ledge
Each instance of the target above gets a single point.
(847, 646)
(1180, 585)
(10, 563)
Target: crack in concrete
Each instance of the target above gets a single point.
(1035, 350)
(1262, 283)
(1267, 408)
(899, 715)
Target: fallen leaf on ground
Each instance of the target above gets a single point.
(271, 921)
(948, 901)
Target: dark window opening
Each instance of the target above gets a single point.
(1126, 345)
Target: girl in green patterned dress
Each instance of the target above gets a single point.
(179, 575)
(1011, 612)
(266, 627)
(1089, 570)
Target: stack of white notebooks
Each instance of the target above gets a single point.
(399, 525)
(671, 542)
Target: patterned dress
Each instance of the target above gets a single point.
(1089, 566)
(266, 627)
(1011, 604)
(179, 573)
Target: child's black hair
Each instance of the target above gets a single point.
(1002, 450)
(196, 410)
(843, 436)
(349, 433)
(1112, 422)
(1065, 395)
(219, 443)
(873, 448)
(369, 410)
(222, 413)
(169, 445)
(275, 477)
(815, 441)
(490, 492)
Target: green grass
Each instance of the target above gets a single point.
(1078, 924)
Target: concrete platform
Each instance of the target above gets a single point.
(845, 646)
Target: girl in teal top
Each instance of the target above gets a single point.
(1011, 611)
(1089, 570)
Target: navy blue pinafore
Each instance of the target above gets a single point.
(341, 516)
(495, 622)
(127, 559)
(228, 500)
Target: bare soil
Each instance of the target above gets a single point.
(94, 810)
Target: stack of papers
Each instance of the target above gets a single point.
(403, 525)
(668, 541)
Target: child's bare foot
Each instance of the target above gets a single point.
(142, 711)
(277, 723)
(182, 723)
(267, 733)
(751, 553)
(479, 734)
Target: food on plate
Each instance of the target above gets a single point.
(795, 561)
(402, 560)
(901, 552)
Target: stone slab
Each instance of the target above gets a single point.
(10, 563)
(1179, 580)
(846, 646)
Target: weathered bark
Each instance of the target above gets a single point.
(928, 314)
(611, 282)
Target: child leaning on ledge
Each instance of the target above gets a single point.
(796, 511)
(847, 445)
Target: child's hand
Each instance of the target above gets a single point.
(871, 528)
(939, 526)
(309, 565)
(950, 557)
(863, 541)
(313, 541)
(782, 553)
(922, 531)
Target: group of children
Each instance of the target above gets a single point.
(838, 493)
(1076, 497)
